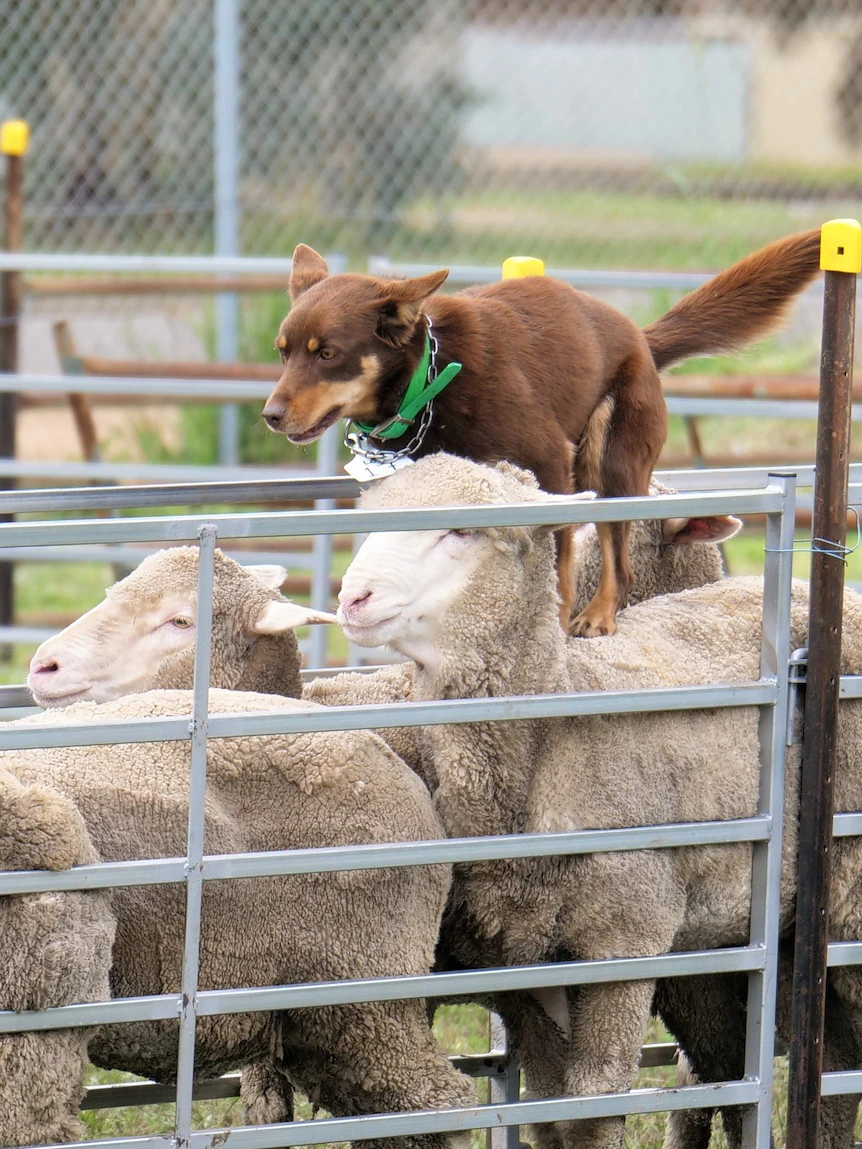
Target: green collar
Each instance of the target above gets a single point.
(421, 389)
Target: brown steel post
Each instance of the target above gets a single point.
(841, 249)
(13, 144)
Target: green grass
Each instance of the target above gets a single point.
(687, 222)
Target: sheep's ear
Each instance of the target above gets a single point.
(271, 577)
(521, 474)
(706, 529)
(306, 269)
(280, 616)
(400, 305)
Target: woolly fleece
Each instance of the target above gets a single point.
(267, 793)
(57, 951)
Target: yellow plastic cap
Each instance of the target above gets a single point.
(14, 137)
(841, 246)
(517, 266)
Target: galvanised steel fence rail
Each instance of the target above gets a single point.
(772, 495)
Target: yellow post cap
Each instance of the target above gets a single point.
(14, 137)
(517, 266)
(841, 246)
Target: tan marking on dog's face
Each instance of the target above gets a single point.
(313, 344)
(281, 343)
(311, 404)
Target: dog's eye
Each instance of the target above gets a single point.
(327, 353)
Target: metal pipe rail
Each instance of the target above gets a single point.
(273, 524)
(150, 264)
(575, 277)
(163, 871)
(222, 391)
(261, 999)
(308, 487)
(493, 1064)
(213, 390)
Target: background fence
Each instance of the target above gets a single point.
(623, 133)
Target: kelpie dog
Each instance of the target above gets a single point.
(542, 375)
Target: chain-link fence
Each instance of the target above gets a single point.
(663, 133)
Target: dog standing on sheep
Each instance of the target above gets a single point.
(542, 375)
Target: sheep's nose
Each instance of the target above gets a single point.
(43, 665)
(350, 600)
(273, 413)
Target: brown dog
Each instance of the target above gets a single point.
(552, 379)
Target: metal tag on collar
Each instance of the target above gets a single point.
(364, 468)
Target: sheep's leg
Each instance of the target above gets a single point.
(688, 1128)
(379, 1058)
(707, 1016)
(266, 1094)
(608, 1024)
(542, 1049)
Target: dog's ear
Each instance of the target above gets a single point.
(699, 529)
(307, 268)
(400, 305)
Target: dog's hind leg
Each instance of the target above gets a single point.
(566, 573)
(619, 448)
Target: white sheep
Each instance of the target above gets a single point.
(477, 612)
(56, 951)
(142, 636)
(267, 793)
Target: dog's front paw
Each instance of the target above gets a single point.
(592, 625)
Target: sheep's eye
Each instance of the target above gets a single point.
(181, 623)
(462, 532)
(327, 353)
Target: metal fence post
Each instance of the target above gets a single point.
(505, 1088)
(321, 550)
(198, 728)
(226, 194)
(841, 258)
(766, 856)
(14, 136)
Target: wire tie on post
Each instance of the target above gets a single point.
(823, 546)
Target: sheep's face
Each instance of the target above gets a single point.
(143, 635)
(400, 586)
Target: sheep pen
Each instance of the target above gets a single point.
(325, 683)
(110, 647)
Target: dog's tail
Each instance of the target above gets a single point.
(739, 304)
